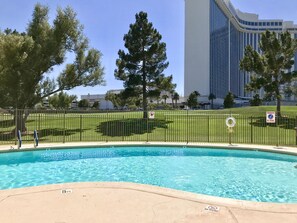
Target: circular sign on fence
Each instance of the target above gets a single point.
(230, 122)
(151, 115)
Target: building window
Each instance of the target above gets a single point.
(219, 51)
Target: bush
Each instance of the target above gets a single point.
(256, 101)
(229, 100)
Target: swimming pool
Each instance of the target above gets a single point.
(237, 174)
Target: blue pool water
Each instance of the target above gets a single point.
(244, 175)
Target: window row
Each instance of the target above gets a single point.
(259, 23)
(263, 29)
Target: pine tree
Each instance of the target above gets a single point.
(143, 65)
(211, 97)
(229, 100)
(271, 67)
(256, 101)
(175, 97)
(192, 101)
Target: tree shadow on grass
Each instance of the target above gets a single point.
(128, 127)
(7, 123)
(58, 132)
(283, 122)
(10, 123)
(8, 136)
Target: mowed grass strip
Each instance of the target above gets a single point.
(170, 126)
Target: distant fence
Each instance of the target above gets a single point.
(167, 126)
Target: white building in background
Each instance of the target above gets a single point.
(103, 104)
(216, 35)
(74, 104)
(114, 91)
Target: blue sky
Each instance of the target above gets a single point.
(106, 21)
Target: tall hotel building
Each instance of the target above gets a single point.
(215, 38)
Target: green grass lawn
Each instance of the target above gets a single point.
(171, 126)
(255, 110)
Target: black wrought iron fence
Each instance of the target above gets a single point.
(164, 126)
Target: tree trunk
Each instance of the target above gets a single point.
(144, 93)
(144, 104)
(21, 123)
(211, 103)
(278, 107)
(20, 118)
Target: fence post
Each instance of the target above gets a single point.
(4, 119)
(252, 139)
(16, 126)
(277, 126)
(208, 128)
(123, 129)
(38, 122)
(107, 126)
(230, 133)
(165, 129)
(277, 144)
(187, 126)
(147, 132)
(296, 128)
(64, 126)
(80, 127)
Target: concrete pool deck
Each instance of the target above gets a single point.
(134, 203)
(131, 203)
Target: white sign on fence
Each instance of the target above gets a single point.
(151, 115)
(270, 117)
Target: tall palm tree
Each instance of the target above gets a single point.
(211, 97)
(165, 96)
(175, 97)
